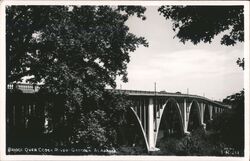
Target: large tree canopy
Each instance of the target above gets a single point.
(87, 45)
(202, 23)
(75, 51)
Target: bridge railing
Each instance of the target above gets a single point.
(152, 93)
(30, 88)
(26, 88)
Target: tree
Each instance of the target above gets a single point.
(229, 125)
(75, 51)
(90, 40)
(103, 123)
(202, 23)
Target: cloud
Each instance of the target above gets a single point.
(202, 71)
(203, 68)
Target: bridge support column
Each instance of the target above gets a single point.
(211, 112)
(202, 110)
(185, 117)
(151, 125)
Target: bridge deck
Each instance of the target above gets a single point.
(167, 94)
(29, 88)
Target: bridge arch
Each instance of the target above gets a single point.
(194, 116)
(141, 127)
(175, 107)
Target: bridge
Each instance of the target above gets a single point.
(152, 109)
(160, 113)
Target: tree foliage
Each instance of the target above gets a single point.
(241, 63)
(202, 23)
(75, 51)
(229, 125)
(98, 129)
(59, 43)
(196, 144)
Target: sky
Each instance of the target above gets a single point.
(208, 70)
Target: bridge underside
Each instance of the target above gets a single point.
(159, 117)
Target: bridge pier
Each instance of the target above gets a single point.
(151, 125)
(211, 112)
(185, 117)
(202, 111)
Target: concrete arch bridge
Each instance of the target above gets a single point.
(179, 113)
(157, 113)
